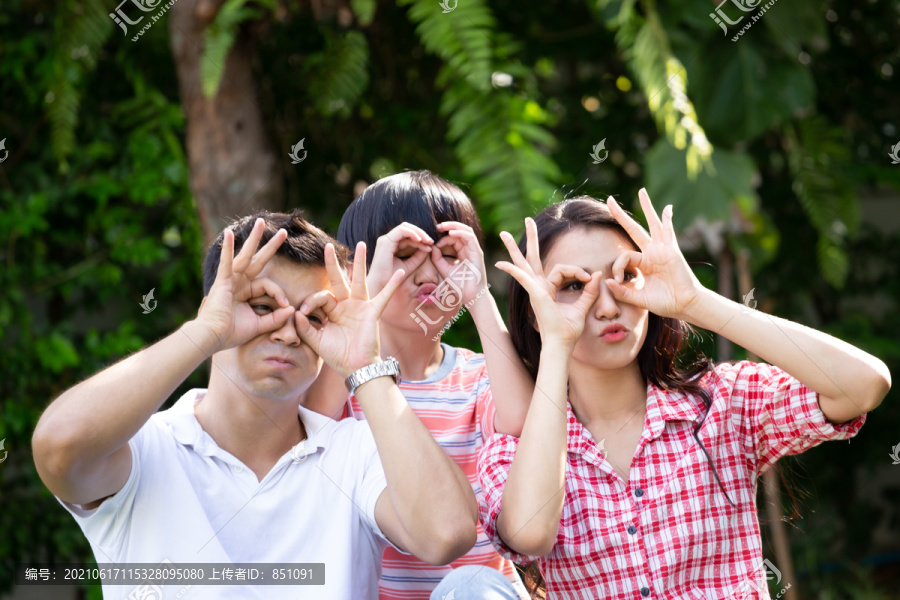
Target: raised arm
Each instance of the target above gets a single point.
(511, 385)
(428, 508)
(848, 380)
(80, 444)
(534, 494)
(327, 395)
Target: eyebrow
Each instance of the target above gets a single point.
(268, 297)
(607, 267)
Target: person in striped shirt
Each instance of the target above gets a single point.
(427, 226)
(635, 475)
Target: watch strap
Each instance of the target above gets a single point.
(380, 369)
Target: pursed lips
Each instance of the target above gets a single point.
(425, 291)
(614, 332)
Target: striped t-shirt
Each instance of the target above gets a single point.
(455, 405)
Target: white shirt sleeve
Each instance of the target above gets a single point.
(105, 525)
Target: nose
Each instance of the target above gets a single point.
(286, 334)
(606, 306)
(427, 272)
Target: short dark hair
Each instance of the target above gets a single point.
(418, 197)
(305, 243)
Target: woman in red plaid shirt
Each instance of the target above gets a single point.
(635, 477)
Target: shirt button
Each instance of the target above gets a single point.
(237, 468)
(645, 591)
(639, 492)
(632, 530)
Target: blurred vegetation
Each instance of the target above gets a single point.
(768, 143)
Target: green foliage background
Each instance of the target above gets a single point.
(783, 132)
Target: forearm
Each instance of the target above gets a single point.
(535, 490)
(327, 395)
(849, 380)
(99, 415)
(511, 385)
(428, 490)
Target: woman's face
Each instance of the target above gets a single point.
(613, 331)
(418, 307)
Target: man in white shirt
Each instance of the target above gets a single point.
(240, 472)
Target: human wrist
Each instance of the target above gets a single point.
(201, 336)
(482, 306)
(554, 346)
(355, 365)
(700, 311)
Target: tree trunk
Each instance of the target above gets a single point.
(233, 169)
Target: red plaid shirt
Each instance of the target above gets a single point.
(670, 532)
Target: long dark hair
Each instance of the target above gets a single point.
(658, 358)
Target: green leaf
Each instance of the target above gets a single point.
(793, 25)
(340, 73)
(461, 37)
(500, 138)
(760, 239)
(820, 161)
(55, 352)
(80, 33)
(745, 94)
(364, 11)
(219, 38)
(714, 195)
(833, 262)
(504, 150)
(663, 79)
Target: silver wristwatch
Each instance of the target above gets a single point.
(380, 369)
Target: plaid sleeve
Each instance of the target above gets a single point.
(494, 462)
(777, 414)
(484, 405)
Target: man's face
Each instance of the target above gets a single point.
(277, 365)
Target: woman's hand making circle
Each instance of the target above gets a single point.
(402, 239)
(463, 243)
(563, 322)
(665, 284)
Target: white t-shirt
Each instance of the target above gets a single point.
(189, 501)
